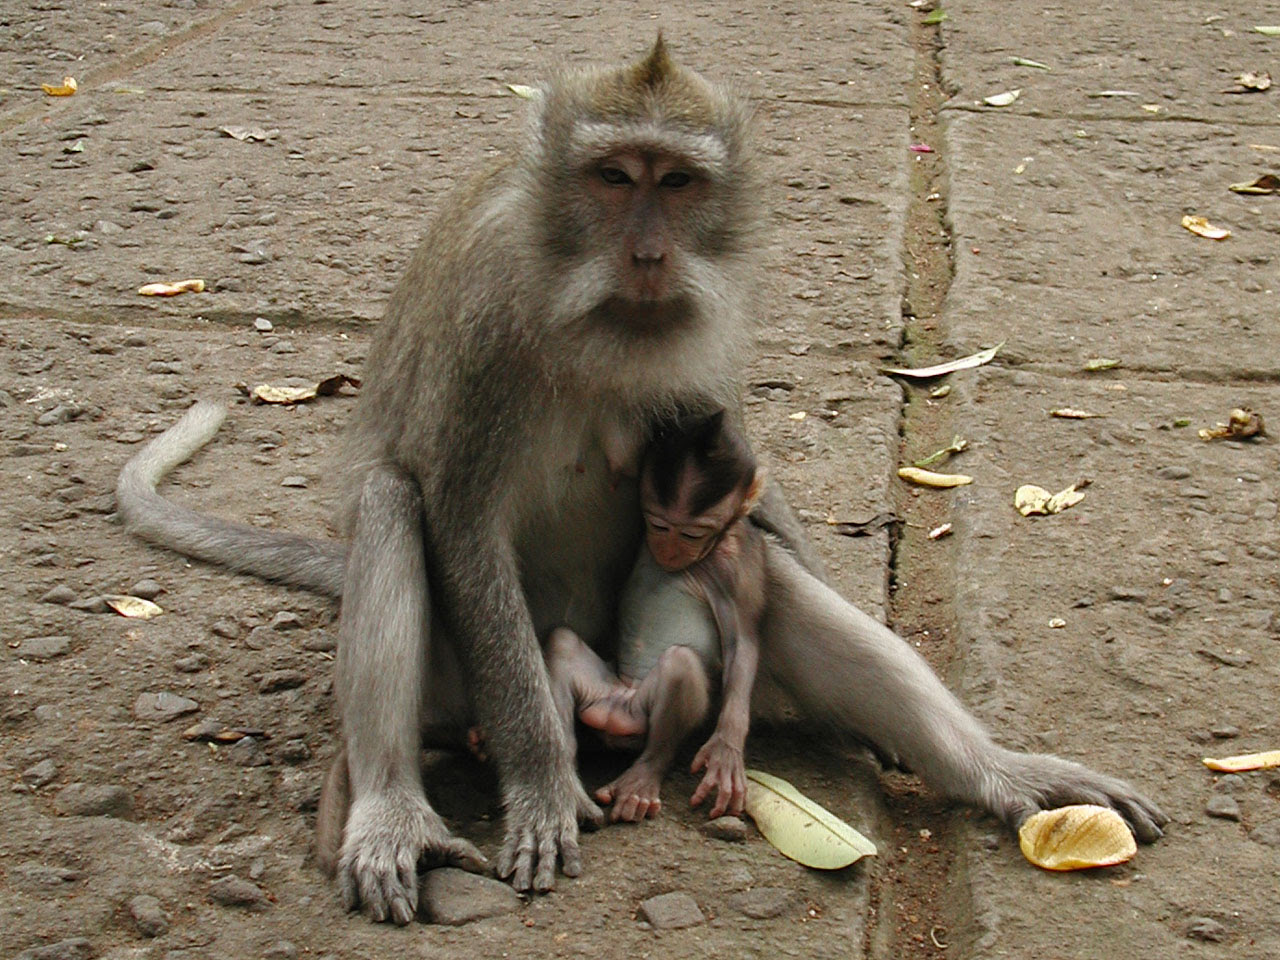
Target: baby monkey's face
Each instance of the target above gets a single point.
(676, 536)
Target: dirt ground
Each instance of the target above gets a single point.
(1052, 225)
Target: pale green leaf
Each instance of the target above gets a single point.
(1024, 62)
(1268, 31)
(524, 92)
(1002, 99)
(800, 828)
(935, 17)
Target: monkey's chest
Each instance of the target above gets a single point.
(657, 612)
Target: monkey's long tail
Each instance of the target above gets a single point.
(306, 562)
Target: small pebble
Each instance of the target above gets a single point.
(671, 911)
(1228, 783)
(281, 950)
(263, 325)
(1160, 614)
(1226, 732)
(90, 605)
(192, 664)
(285, 620)
(763, 903)
(295, 480)
(164, 366)
(233, 891)
(61, 594)
(93, 800)
(248, 752)
(148, 916)
(293, 751)
(225, 628)
(1224, 806)
(322, 642)
(1126, 593)
(731, 829)
(1207, 929)
(278, 680)
(44, 648)
(163, 706)
(40, 774)
(1173, 472)
(146, 589)
(454, 897)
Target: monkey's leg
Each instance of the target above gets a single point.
(842, 667)
(675, 696)
(382, 662)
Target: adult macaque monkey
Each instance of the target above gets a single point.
(567, 297)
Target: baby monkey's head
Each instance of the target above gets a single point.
(698, 477)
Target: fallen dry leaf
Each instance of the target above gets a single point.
(927, 478)
(171, 289)
(1076, 837)
(937, 533)
(1242, 424)
(1002, 99)
(801, 829)
(1096, 364)
(1267, 183)
(1203, 228)
(1268, 31)
(524, 92)
(249, 133)
(133, 607)
(1250, 82)
(267, 393)
(1071, 413)
(66, 89)
(1244, 761)
(1031, 499)
(939, 369)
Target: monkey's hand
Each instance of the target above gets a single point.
(726, 776)
(1031, 782)
(542, 825)
(388, 836)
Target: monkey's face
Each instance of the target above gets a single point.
(677, 537)
(651, 199)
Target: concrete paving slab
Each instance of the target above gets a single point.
(1068, 244)
(1177, 58)
(314, 224)
(1165, 578)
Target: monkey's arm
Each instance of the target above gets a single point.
(486, 613)
(737, 618)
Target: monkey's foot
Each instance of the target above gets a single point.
(634, 795)
(388, 837)
(615, 714)
(542, 826)
(1029, 783)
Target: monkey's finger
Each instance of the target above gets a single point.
(347, 887)
(699, 760)
(702, 791)
(1145, 819)
(464, 855)
(545, 877)
(570, 855)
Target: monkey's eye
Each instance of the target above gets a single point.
(693, 537)
(614, 176)
(657, 526)
(676, 179)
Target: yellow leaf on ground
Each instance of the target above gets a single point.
(1244, 761)
(1203, 228)
(927, 478)
(1076, 837)
(133, 607)
(171, 289)
(801, 829)
(67, 88)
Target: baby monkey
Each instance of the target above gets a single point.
(688, 615)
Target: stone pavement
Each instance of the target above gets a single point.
(1057, 221)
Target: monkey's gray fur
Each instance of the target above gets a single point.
(571, 294)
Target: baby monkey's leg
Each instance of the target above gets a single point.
(675, 697)
(584, 684)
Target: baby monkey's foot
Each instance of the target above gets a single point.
(634, 795)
